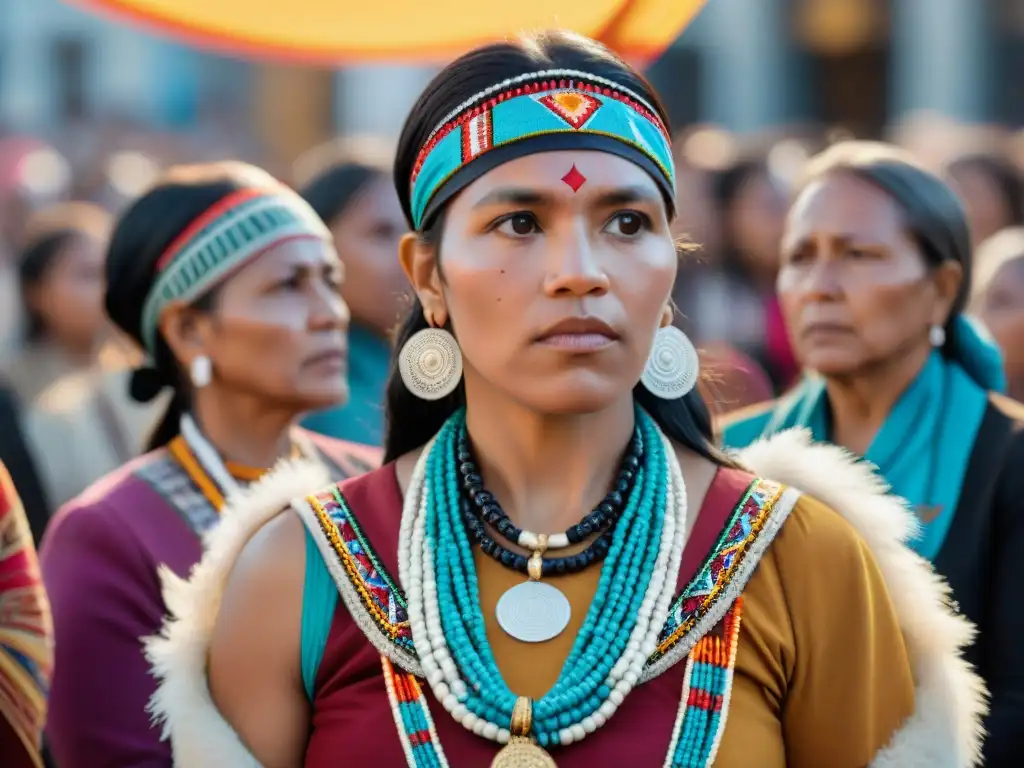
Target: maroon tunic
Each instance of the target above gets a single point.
(351, 711)
(99, 558)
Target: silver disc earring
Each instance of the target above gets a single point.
(430, 363)
(673, 366)
(937, 336)
(200, 371)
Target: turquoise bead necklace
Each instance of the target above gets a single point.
(618, 633)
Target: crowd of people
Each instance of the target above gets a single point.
(434, 356)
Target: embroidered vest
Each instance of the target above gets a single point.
(703, 626)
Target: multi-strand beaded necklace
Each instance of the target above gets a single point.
(480, 508)
(618, 635)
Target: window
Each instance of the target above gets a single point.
(843, 53)
(1007, 31)
(677, 78)
(70, 60)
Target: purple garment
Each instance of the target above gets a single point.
(99, 559)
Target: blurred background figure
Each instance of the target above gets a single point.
(26, 637)
(997, 299)
(876, 273)
(348, 183)
(731, 379)
(230, 282)
(60, 270)
(70, 375)
(992, 190)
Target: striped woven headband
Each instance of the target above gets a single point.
(540, 111)
(234, 230)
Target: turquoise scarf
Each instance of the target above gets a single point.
(361, 419)
(925, 444)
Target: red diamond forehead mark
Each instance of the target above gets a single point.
(574, 179)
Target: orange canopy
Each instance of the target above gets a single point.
(337, 31)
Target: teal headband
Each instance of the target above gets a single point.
(235, 230)
(552, 110)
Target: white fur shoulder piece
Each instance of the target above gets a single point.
(200, 737)
(945, 730)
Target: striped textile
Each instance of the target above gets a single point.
(26, 636)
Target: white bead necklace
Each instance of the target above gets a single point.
(416, 571)
(212, 463)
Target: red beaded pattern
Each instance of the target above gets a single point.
(525, 89)
(707, 688)
(573, 107)
(412, 716)
(478, 136)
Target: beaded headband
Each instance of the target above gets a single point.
(227, 235)
(540, 111)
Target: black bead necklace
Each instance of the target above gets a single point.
(479, 506)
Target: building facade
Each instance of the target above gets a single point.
(744, 64)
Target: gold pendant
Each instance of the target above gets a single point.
(521, 752)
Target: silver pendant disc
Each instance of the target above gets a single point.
(533, 612)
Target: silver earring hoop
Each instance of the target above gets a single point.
(937, 336)
(430, 364)
(673, 366)
(200, 371)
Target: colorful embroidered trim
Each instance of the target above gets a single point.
(710, 662)
(385, 605)
(530, 109)
(235, 230)
(379, 594)
(412, 716)
(707, 687)
(26, 630)
(709, 584)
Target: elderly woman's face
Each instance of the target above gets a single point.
(555, 271)
(277, 331)
(854, 287)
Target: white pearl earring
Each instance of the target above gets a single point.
(673, 366)
(200, 371)
(430, 364)
(937, 336)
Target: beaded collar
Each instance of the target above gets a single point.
(701, 628)
(379, 605)
(191, 477)
(540, 111)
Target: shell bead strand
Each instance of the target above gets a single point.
(630, 607)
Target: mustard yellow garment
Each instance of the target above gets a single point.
(822, 675)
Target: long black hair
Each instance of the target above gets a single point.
(411, 422)
(141, 236)
(933, 214)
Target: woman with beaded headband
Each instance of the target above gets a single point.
(229, 282)
(557, 566)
